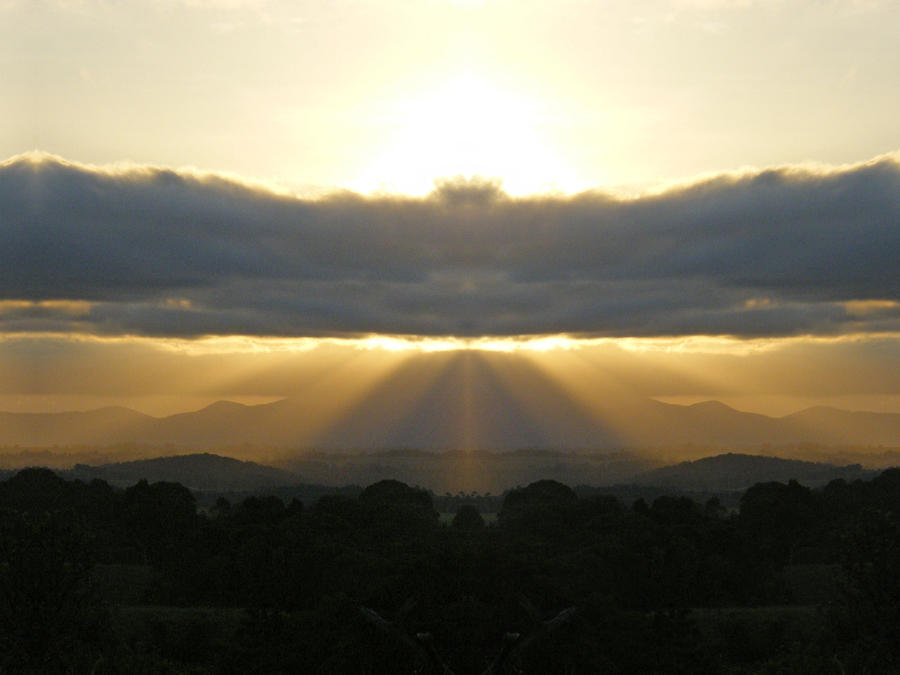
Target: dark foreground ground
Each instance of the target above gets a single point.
(95, 579)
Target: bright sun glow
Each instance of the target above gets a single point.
(237, 344)
(469, 126)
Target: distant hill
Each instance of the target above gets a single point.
(623, 474)
(93, 427)
(450, 416)
(723, 473)
(844, 426)
(732, 472)
(204, 472)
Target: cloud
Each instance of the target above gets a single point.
(157, 252)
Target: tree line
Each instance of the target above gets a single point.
(655, 587)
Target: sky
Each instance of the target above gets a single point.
(205, 199)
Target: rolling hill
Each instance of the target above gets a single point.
(205, 472)
(735, 471)
(724, 473)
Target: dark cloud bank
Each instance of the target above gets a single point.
(157, 252)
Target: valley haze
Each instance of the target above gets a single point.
(641, 423)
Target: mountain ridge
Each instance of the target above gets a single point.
(493, 423)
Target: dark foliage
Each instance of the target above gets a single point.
(653, 584)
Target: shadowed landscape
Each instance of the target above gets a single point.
(151, 577)
(458, 337)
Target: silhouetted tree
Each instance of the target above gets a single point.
(51, 619)
(468, 518)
